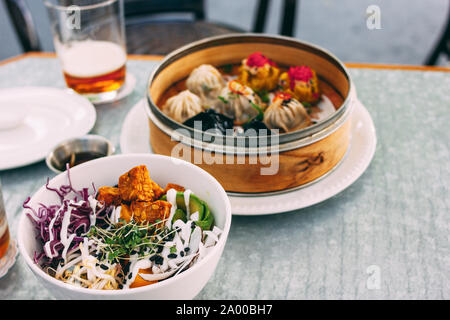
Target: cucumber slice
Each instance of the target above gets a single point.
(206, 218)
(179, 214)
(195, 204)
(207, 221)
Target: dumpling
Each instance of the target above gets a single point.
(301, 82)
(239, 102)
(183, 106)
(286, 113)
(259, 72)
(206, 82)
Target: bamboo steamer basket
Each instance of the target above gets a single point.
(249, 166)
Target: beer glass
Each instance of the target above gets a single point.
(4, 231)
(89, 39)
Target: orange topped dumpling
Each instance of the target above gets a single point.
(259, 72)
(301, 82)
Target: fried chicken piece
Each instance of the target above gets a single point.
(109, 196)
(136, 185)
(150, 211)
(173, 186)
(125, 212)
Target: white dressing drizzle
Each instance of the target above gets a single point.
(135, 266)
(211, 238)
(196, 238)
(178, 224)
(186, 233)
(187, 197)
(172, 199)
(195, 216)
(65, 240)
(93, 203)
(47, 249)
(157, 276)
(115, 215)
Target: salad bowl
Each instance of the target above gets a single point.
(106, 172)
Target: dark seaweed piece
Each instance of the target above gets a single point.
(256, 125)
(228, 68)
(211, 119)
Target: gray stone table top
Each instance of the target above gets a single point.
(384, 237)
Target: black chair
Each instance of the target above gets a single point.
(149, 33)
(289, 17)
(147, 37)
(142, 8)
(23, 24)
(287, 21)
(442, 45)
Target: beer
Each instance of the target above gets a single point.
(92, 67)
(89, 38)
(4, 237)
(4, 231)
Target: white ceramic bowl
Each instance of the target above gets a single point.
(106, 172)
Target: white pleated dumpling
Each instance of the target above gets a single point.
(206, 82)
(286, 114)
(239, 102)
(183, 106)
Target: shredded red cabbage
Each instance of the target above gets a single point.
(80, 220)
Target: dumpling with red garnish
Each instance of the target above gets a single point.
(301, 82)
(286, 114)
(239, 102)
(259, 72)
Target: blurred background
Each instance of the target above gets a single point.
(405, 32)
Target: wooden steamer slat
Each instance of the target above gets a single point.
(296, 167)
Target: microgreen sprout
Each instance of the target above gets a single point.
(120, 241)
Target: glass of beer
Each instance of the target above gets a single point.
(89, 39)
(4, 230)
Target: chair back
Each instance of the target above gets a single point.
(288, 17)
(141, 8)
(23, 24)
(25, 29)
(442, 45)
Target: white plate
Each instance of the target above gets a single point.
(51, 115)
(135, 139)
(135, 134)
(357, 160)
